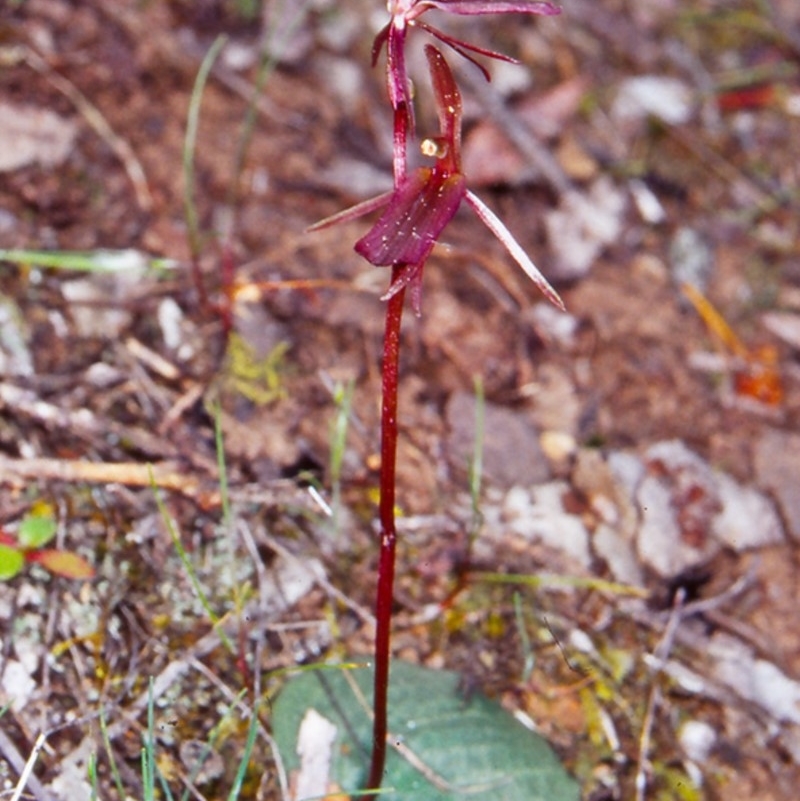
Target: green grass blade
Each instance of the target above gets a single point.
(115, 775)
(190, 141)
(96, 261)
(252, 731)
(190, 571)
(476, 463)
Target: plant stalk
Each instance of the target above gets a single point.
(383, 603)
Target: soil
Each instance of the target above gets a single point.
(266, 327)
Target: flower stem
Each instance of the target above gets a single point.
(383, 604)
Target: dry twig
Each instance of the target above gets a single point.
(92, 115)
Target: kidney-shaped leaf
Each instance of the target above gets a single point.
(450, 746)
(11, 562)
(36, 530)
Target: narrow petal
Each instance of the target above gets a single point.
(418, 212)
(496, 226)
(464, 49)
(396, 74)
(354, 212)
(448, 106)
(379, 42)
(473, 7)
(410, 273)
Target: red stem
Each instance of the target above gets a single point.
(383, 603)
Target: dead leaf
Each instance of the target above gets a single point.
(490, 158)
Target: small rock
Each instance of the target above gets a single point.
(15, 355)
(690, 258)
(689, 511)
(748, 519)
(539, 516)
(512, 454)
(647, 203)
(660, 96)
(558, 446)
(776, 459)
(575, 160)
(582, 226)
(17, 684)
(30, 135)
(697, 739)
(91, 298)
(785, 326)
(202, 763)
(755, 680)
(552, 324)
(556, 406)
(618, 554)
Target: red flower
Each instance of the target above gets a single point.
(422, 203)
(405, 14)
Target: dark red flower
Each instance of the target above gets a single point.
(423, 202)
(406, 14)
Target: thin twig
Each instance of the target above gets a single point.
(323, 582)
(121, 149)
(661, 654)
(518, 133)
(24, 768)
(164, 475)
(82, 422)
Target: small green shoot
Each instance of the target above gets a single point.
(476, 463)
(112, 762)
(147, 753)
(91, 770)
(252, 731)
(189, 142)
(225, 500)
(528, 658)
(343, 399)
(189, 567)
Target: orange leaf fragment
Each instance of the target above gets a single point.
(758, 374)
(62, 563)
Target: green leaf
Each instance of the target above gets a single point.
(472, 747)
(36, 530)
(11, 562)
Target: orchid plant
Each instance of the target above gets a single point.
(415, 212)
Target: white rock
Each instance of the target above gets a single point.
(748, 519)
(542, 519)
(660, 544)
(660, 96)
(17, 684)
(170, 317)
(30, 135)
(583, 225)
(755, 680)
(697, 738)
(775, 692)
(71, 784)
(618, 554)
